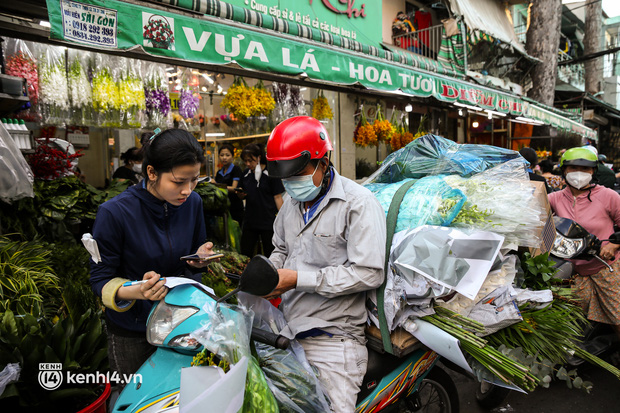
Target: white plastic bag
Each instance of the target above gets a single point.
(9, 375)
(16, 177)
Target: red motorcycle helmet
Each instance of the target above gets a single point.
(293, 143)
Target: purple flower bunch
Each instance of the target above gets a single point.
(157, 100)
(188, 104)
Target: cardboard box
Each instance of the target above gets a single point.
(545, 233)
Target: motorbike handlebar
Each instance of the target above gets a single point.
(269, 338)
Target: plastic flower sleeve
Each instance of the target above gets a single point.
(106, 96)
(131, 90)
(501, 200)
(54, 90)
(20, 61)
(157, 97)
(80, 89)
(290, 376)
(16, 178)
(188, 97)
(434, 155)
(226, 332)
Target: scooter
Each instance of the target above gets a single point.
(574, 241)
(392, 384)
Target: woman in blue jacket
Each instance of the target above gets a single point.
(141, 235)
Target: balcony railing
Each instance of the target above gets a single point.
(574, 74)
(425, 42)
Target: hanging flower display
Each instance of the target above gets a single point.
(131, 91)
(188, 104)
(321, 108)
(243, 101)
(383, 127)
(158, 32)
(53, 88)
(106, 97)
(157, 99)
(22, 64)
(80, 92)
(48, 162)
(365, 133)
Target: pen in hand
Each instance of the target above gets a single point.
(130, 283)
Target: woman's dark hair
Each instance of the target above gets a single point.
(254, 150)
(131, 154)
(546, 166)
(228, 146)
(169, 149)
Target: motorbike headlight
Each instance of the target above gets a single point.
(164, 319)
(567, 247)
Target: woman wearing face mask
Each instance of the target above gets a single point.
(141, 234)
(230, 174)
(132, 168)
(263, 199)
(597, 209)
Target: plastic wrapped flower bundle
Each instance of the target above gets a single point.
(80, 90)
(54, 91)
(321, 108)
(106, 96)
(264, 103)
(188, 104)
(131, 91)
(20, 62)
(243, 101)
(383, 127)
(465, 209)
(157, 97)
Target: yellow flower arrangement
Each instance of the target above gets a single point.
(543, 154)
(243, 101)
(321, 108)
(383, 127)
(364, 134)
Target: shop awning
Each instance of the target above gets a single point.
(118, 26)
(488, 16)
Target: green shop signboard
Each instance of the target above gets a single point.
(359, 20)
(110, 24)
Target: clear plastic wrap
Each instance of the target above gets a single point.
(106, 96)
(20, 61)
(501, 199)
(131, 91)
(53, 86)
(226, 332)
(16, 177)
(290, 376)
(424, 203)
(434, 155)
(157, 97)
(188, 96)
(80, 89)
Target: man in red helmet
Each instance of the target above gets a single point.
(329, 239)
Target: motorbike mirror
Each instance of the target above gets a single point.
(614, 238)
(260, 277)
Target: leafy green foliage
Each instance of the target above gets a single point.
(28, 284)
(57, 205)
(80, 345)
(539, 271)
(214, 199)
(215, 276)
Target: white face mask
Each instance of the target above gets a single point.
(137, 168)
(578, 179)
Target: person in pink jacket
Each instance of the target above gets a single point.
(597, 209)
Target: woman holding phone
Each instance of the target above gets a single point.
(141, 234)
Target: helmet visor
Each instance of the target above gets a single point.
(288, 168)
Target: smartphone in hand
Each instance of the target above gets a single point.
(196, 257)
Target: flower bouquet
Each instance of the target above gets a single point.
(106, 94)
(131, 91)
(20, 62)
(402, 136)
(53, 88)
(383, 127)
(80, 90)
(157, 97)
(364, 134)
(243, 101)
(188, 103)
(158, 32)
(321, 108)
